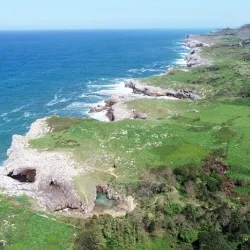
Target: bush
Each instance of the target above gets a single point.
(213, 184)
(237, 226)
(245, 90)
(173, 208)
(187, 173)
(212, 241)
(245, 245)
(90, 240)
(112, 233)
(188, 235)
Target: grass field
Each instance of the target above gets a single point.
(187, 133)
(177, 133)
(22, 229)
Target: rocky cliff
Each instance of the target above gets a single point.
(45, 176)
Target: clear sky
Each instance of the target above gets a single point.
(106, 14)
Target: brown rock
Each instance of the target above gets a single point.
(110, 114)
(140, 116)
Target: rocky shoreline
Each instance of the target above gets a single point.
(194, 59)
(48, 176)
(45, 176)
(114, 109)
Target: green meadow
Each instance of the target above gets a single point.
(171, 163)
(22, 228)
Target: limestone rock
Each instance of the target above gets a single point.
(140, 116)
(45, 176)
(110, 114)
(170, 71)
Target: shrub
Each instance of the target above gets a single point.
(213, 184)
(188, 235)
(237, 226)
(212, 241)
(90, 240)
(245, 91)
(245, 245)
(187, 173)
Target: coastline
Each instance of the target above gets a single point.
(162, 163)
(74, 97)
(23, 160)
(29, 172)
(114, 108)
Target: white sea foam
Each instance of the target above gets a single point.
(185, 47)
(7, 120)
(92, 95)
(26, 114)
(100, 116)
(100, 86)
(181, 62)
(4, 114)
(4, 131)
(104, 79)
(18, 109)
(83, 95)
(79, 105)
(143, 70)
(57, 100)
(116, 89)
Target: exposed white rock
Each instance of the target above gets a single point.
(194, 59)
(131, 205)
(54, 171)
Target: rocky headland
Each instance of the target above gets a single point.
(45, 176)
(195, 43)
(114, 109)
(48, 176)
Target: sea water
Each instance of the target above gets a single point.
(44, 73)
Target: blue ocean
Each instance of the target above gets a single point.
(44, 73)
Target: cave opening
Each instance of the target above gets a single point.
(27, 175)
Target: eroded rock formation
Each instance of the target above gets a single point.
(139, 88)
(45, 176)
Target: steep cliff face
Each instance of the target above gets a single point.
(50, 176)
(46, 176)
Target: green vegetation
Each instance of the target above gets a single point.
(226, 78)
(22, 229)
(187, 166)
(187, 133)
(192, 207)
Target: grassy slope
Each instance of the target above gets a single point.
(177, 133)
(22, 229)
(131, 145)
(187, 132)
(228, 122)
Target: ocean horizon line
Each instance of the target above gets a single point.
(105, 29)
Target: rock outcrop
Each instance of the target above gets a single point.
(113, 109)
(48, 176)
(140, 116)
(45, 176)
(170, 71)
(139, 88)
(194, 59)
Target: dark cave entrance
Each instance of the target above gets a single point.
(27, 175)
